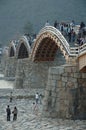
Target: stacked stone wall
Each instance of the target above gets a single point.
(10, 67)
(35, 74)
(65, 94)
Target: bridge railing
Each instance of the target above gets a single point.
(79, 50)
(82, 49)
(74, 51)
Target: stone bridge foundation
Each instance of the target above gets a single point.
(65, 94)
(10, 67)
(31, 74)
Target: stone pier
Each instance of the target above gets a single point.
(31, 74)
(10, 68)
(65, 94)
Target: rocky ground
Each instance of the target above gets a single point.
(28, 119)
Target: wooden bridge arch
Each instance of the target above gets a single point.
(23, 49)
(45, 46)
(47, 43)
(12, 49)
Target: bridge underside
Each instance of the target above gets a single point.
(83, 69)
(23, 52)
(46, 50)
(11, 52)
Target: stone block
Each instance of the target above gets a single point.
(84, 75)
(50, 76)
(64, 79)
(54, 94)
(75, 69)
(56, 77)
(61, 70)
(74, 80)
(53, 83)
(65, 74)
(59, 84)
(49, 83)
(57, 70)
(77, 75)
(57, 105)
(53, 89)
(76, 85)
(64, 84)
(54, 70)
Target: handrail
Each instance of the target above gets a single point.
(74, 50)
(82, 49)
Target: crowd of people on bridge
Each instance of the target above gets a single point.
(82, 34)
(74, 34)
(31, 38)
(70, 32)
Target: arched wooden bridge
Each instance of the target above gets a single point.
(45, 46)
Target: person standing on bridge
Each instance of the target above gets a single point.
(47, 23)
(55, 24)
(69, 33)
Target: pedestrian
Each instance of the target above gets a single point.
(69, 33)
(35, 108)
(82, 25)
(15, 111)
(62, 28)
(11, 97)
(55, 24)
(72, 24)
(40, 98)
(8, 113)
(37, 97)
(73, 35)
(47, 23)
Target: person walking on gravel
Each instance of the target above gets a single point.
(37, 97)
